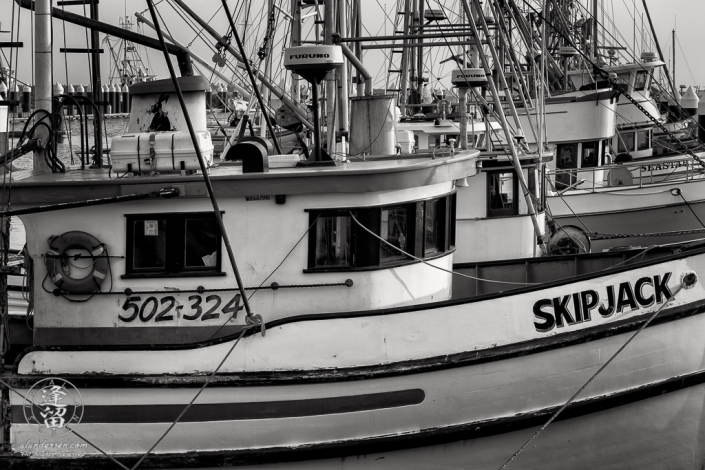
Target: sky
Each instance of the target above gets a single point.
(686, 16)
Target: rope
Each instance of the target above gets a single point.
(202, 290)
(688, 281)
(436, 267)
(195, 397)
(612, 236)
(12, 389)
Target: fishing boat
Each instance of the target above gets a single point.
(351, 336)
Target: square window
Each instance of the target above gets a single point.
(333, 242)
(191, 240)
(502, 190)
(433, 241)
(625, 142)
(643, 140)
(589, 157)
(395, 230)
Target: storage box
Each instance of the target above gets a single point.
(405, 140)
(173, 151)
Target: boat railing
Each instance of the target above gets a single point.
(639, 174)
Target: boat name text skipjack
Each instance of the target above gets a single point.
(575, 308)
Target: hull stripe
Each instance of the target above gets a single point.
(397, 442)
(209, 412)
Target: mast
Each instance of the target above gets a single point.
(295, 41)
(658, 48)
(419, 57)
(404, 79)
(675, 95)
(342, 74)
(95, 61)
(594, 29)
(330, 84)
(43, 71)
(514, 156)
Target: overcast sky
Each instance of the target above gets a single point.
(687, 16)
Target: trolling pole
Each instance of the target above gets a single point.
(204, 170)
(503, 119)
(252, 78)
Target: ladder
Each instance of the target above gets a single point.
(394, 67)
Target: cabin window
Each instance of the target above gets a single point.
(502, 198)
(433, 230)
(640, 80)
(625, 142)
(589, 157)
(643, 141)
(397, 229)
(333, 246)
(423, 229)
(177, 244)
(567, 159)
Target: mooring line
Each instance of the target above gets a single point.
(687, 282)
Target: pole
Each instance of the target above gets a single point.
(295, 41)
(43, 71)
(658, 48)
(201, 162)
(330, 96)
(343, 92)
(594, 29)
(358, 48)
(404, 79)
(249, 73)
(514, 157)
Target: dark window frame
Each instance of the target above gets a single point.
(507, 211)
(623, 138)
(647, 142)
(367, 249)
(175, 243)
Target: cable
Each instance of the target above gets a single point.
(429, 264)
(688, 281)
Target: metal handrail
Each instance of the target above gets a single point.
(682, 170)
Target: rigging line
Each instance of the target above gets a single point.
(431, 265)
(685, 59)
(200, 32)
(559, 194)
(605, 75)
(88, 58)
(195, 397)
(271, 274)
(24, 398)
(680, 193)
(687, 282)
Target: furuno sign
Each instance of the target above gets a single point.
(309, 56)
(580, 307)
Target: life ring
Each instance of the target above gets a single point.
(53, 259)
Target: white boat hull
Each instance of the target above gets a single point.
(470, 380)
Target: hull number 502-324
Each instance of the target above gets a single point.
(167, 309)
